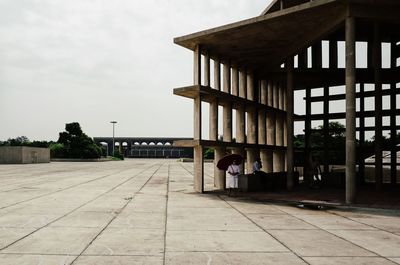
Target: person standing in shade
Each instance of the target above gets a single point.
(257, 166)
(233, 176)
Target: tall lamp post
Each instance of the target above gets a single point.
(113, 123)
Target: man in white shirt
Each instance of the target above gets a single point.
(233, 176)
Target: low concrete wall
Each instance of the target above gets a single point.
(24, 155)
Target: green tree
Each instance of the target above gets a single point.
(76, 144)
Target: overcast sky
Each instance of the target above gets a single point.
(93, 61)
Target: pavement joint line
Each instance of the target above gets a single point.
(166, 215)
(75, 209)
(328, 231)
(375, 227)
(118, 213)
(64, 189)
(259, 226)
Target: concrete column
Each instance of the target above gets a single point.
(326, 129)
(279, 130)
(271, 125)
(240, 125)
(350, 111)
(251, 158)
(217, 74)
(227, 78)
(198, 150)
(262, 137)
(263, 92)
(235, 82)
(275, 95)
(261, 127)
(197, 66)
(393, 132)
(242, 83)
(213, 126)
(277, 161)
(207, 69)
(307, 138)
(361, 167)
(268, 166)
(333, 54)
(227, 110)
(289, 124)
(251, 126)
(227, 123)
(316, 55)
(270, 94)
(198, 169)
(219, 175)
(281, 96)
(377, 62)
(264, 159)
(250, 86)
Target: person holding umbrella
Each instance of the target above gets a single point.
(233, 176)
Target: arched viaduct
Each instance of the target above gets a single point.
(146, 147)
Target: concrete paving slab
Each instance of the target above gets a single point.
(56, 241)
(390, 224)
(348, 261)
(380, 242)
(139, 220)
(318, 243)
(251, 258)
(293, 210)
(84, 219)
(119, 260)
(222, 241)
(24, 259)
(15, 220)
(281, 222)
(10, 235)
(116, 241)
(249, 207)
(333, 222)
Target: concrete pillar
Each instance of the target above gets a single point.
(263, 92)
(326, 129)
(243, 83)
(250, 86)
(198, 150)
(235, 82)
(227, 78)
(271, 125)
(275, 95)
(393, 132)
(219, 175)
(277, 161)
(227, 110)
(251, 158)
(350, 111)
(270, 94)
(240, 125)
(198, 169)
(289, 124)
(217, 74)
(227, 123)
(307, 138)
(264, 159)
(213, 126)
(261, 127)
(207, 69)
(281, 96)
(377, 62)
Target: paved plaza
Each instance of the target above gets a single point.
(145, 212)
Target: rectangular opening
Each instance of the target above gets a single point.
(386, 55)
(341, 54)
(386, 121)
(369, 87)
(316, 124)
(337, 90)
(296, 61)
(234, 133)
(205, 120)
(309, 59)
(300, 103)
(386, 102)
(325, 54)
(317, 107)
(361, 55)
(369, 103)
(337, 106)
(220, 122)
(316, 92)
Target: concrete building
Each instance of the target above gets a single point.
(293, 45)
